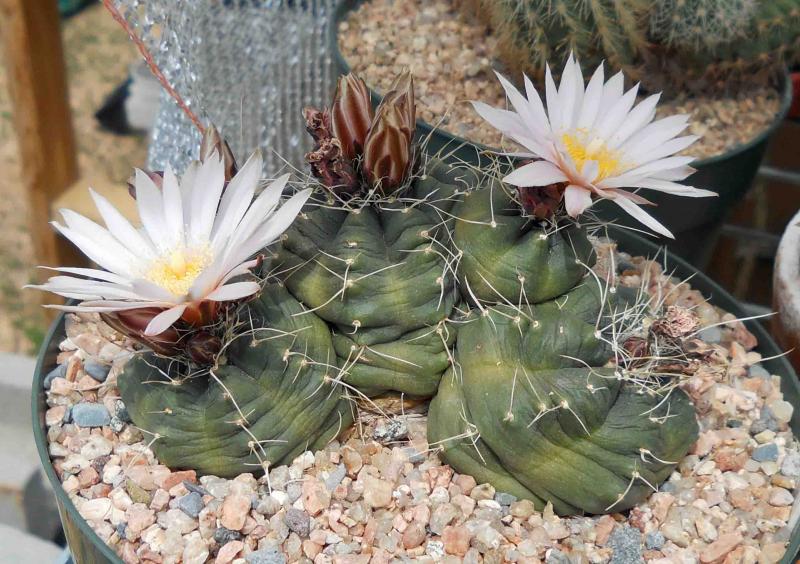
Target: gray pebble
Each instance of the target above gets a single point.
(733, 423)
(270, 555)
(191, 504)
(294, 491)
(504, 498)
(711, 335)
(765, 453)
(90, 415)
(96, 370)
(121, 527)
(758, 371)
(224, 536)
(414, 456)
(654, 540)
(335, 478)
(68, 414)
(766, 420)
(121, 411)
(278, 477)
(298, 521)
(194, 487)
(791, 465)
(389, 431)
(557, 557)
(117, 424)
(59, 371)
(626, 542)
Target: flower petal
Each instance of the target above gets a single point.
(237, 198)
(642, 114)
(122, 229)
(164, 320)
(95, 251)
(591, 100)
(208, 185)
(577, 199)
(234, 291)
(643, 217)
(539, 173)
(151, 210)
(173, 209)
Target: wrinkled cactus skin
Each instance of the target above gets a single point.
(288, 403)
(377, 275)
(529, 406)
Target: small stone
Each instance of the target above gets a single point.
(390, 430)
(178, 520)
(465, 482)
(191, 504)
(96, 509)
(414, 535)
(234, 511)
(335, 477)
(137, 493)
(711, 335)
(626, 542)
(195, 550)
(758, 371)
(270, 555)
(486, 539)
(764, 453)
(90, 415)
(780, 497)
(654, 540)
(791, 465)
(298, 521)
(504, 498)
(522, 509)
(121, 411)
(96, 370)
(228, 552)
(223, 535)
(316, 496)
(557, 557)
(483, 491)
(59, 371)
(456, 540)
(441, 516)
(96, 446)
(138, 517)
(721, 547)
(377, 493)
(782, 410)
(352, 460)
(434, 549)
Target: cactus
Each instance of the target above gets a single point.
(382, 275)
(529, 404)
(532, 32)
(667, 44)
(274, 396)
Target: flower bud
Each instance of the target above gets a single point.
(351, 115)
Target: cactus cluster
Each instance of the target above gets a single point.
(668, 44)
(409, 275)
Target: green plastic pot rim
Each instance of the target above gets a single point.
(710, 290)
(452, 140)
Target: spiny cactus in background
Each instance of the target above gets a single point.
(529, 405)
(272, 396)
(713, 43)
(669, 45)
(371, 255)
(533, 32)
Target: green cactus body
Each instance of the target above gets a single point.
(529, 405)
(273, 399)
(532, 33)
(379, 274)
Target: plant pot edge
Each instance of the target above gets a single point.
(786, 290)
(82, 537)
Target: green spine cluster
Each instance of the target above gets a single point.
(273, 399)
(381, 275)
(528, 404)
(532, 33)
(668, 44)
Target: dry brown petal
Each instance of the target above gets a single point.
(351, 115)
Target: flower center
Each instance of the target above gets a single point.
(608, 160)
(177, 271)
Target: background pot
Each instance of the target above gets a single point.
(695, 224)
(786, 291)
(88, 548)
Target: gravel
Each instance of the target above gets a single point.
(452, 59)
(364, 500)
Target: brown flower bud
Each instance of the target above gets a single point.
(327, 162)
(541, 202)
(388, 154)
(213, 141)
(351, 115)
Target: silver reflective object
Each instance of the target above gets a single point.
(247, 66)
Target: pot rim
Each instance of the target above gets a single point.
(344, 7)
(786, 282)
(626, 240)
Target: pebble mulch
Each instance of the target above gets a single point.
(381, 496)
(452, 61)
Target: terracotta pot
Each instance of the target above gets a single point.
(786, 291)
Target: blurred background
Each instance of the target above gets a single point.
(77, 109)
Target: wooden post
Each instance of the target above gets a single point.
(31, 36)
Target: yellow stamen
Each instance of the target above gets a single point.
(608, 160)
(177, 271)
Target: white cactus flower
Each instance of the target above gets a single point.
(196, 236)
(596, 140)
